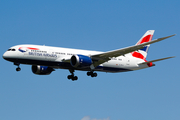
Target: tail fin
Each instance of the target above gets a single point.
(142, 53)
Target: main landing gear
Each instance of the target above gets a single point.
(92, 74)
(72, 77)
(18, 68)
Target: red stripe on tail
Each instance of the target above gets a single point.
(145, 39)
(138, 55)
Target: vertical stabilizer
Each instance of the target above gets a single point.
(142, 53)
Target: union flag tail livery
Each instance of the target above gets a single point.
(45, 59)
(142, 53)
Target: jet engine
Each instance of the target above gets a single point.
(41, 70)
(80, 61)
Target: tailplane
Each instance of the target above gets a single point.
(150, 63)
(142, 53)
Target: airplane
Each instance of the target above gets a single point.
(45, 59)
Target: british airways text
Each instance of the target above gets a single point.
(43, 54)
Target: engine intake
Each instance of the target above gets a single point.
(80, 61)
(41, 70)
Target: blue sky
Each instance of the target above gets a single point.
(101, 25)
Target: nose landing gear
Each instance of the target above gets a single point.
(18, 68)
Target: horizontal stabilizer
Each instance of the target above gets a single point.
(156, 60)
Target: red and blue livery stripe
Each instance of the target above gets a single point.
(24, 49)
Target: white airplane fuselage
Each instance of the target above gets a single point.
(54, 56)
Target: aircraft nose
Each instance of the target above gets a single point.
(6, 55)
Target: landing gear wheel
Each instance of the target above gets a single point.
(72, 77)
(69, 77)
(95, 74)
(91, 74)
(18, 69)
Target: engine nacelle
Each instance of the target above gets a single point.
(80, 61)
(41, 70)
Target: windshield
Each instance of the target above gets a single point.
(11, 49)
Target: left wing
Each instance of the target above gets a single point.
(104, 57)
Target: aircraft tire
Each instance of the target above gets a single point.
(69, 77)
(89, 73)
(74, 78)
(18, 69)
(94, 75)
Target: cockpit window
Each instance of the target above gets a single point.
(11, 50)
